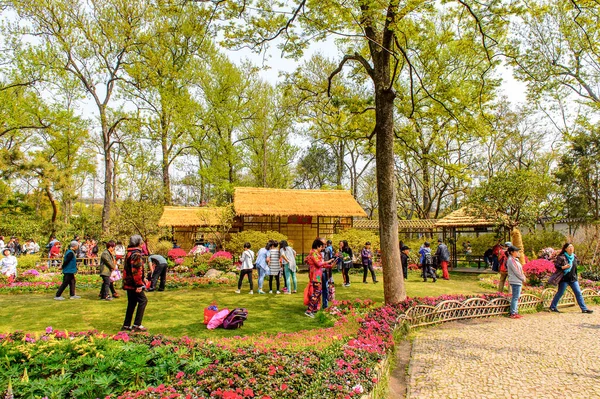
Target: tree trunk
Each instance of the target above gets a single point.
(394, 290)
(264, 160)
(426, 184)
(54, 209)
(108, 171)
(165, 171)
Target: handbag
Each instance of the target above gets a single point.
(115, 275)
(555, 278)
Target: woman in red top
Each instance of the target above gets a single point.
(315, 273)
(134, 284)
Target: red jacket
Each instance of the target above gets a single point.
(133, 270)
(316, 264)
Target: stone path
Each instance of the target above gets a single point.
(543, 355)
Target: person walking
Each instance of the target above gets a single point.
(160, 271)
(567, 261)
(404, 252)
(288, 256)
(427, 262)
(262, 265)
(247, 260)
(345, 255)
(366, 256)
(69, 269)
(442, 255)
(274, 267)
(133, 283)
(516, 278)
(8, 265)
(107, 265)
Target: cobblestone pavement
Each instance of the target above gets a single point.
(543, 355)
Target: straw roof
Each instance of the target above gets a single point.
(413, 224)
(186, 216)
(463, 218)
(281, 202)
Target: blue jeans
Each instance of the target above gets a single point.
(514, 301)
(562, 287)
(325, 290)
(290, 278)
(261, 277)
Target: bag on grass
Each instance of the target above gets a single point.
(235, 319)
(308, 293)
(217, 319)
(210, 311)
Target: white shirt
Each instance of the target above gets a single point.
(2, 245)
(8, 266)
(247, 259)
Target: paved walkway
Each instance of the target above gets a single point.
(543, 355)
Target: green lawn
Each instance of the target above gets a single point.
(180, 312)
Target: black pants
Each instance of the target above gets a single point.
(367, 267)
(107, 286)
(68, 280)
(244, 273)
(346, 274)
(159, 271)
(428, 271)
(135, 299)
(271, 282)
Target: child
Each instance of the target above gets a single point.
(247, 260)
(427, 262)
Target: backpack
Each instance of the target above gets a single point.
(428, 259)
(235, 319)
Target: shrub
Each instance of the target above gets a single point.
(163, 247)
(257, 240)
(538, 269)
(356, 239)
(590, 275)
(221, 261)
(176, 253)
(27, 262)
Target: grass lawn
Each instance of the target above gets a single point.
(180, 312)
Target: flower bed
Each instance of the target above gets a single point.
(343, 361)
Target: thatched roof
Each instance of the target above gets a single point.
(186, 216)
(462, 218)
(280, 202)
(413, 224)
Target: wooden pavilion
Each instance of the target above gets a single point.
(188, 224)
(301, 215)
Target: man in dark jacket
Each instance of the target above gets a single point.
(160, 270)
(443, 257)
(133, 283)
(404, 251)
(69, 269)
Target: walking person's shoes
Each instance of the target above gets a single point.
(237, 291)
(75, 297)
(261, 292)
(108, 298)
(270, 291)
(554, 310)
(126, 328)
(251, 292)
(309, 314)
(278, 292)
(59, 298)
(515, 316)
(587, 311)
(115, 295)
(139, 329)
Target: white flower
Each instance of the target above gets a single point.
(358, 388)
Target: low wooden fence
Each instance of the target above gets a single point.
(473, 308)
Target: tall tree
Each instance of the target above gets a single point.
(373, 35)
(92, 41)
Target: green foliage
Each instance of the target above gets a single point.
(162, 247)
(131, 217)
(257, 240)
(222, 263)
(535, 242)
(356, 239)
(26, 262)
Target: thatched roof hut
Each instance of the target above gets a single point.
(184, 216)
(463, 218)
(283, 202)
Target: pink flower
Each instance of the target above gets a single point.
(49, 330)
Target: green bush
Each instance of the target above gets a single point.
(26, 262)
(356, 239)
(162, 248)
(257, 240)
(222, 263)
(539, 240)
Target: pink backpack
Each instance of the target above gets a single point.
(217, 319)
